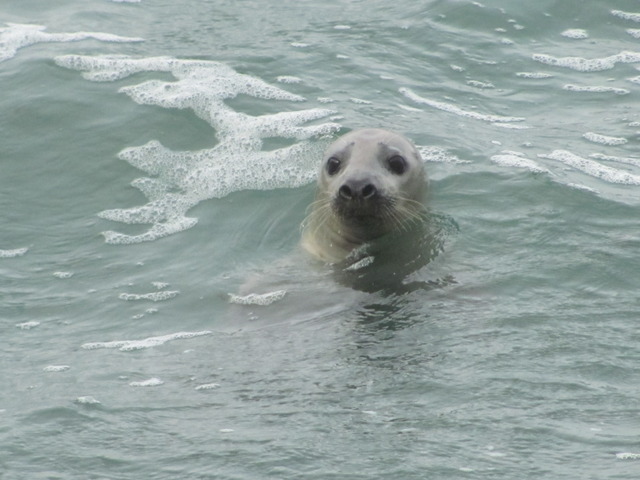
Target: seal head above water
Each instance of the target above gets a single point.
(372, 182)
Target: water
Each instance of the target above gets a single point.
(143, 182)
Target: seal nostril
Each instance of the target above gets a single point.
(368, 191)
(345, 192)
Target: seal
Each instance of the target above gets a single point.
(372, 183)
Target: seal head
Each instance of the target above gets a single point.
(372, 182)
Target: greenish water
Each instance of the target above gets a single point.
(122, 356)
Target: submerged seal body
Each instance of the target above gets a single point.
(372, 182)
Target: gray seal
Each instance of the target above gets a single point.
(372, 182)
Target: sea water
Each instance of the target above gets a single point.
(157, 157)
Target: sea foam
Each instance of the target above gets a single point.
(593, 168)
(518, 160)
(128, 345)
(448, 107)
(180, 180)
(16, 252)
(588, 65)
(257, 299)
(17, 35)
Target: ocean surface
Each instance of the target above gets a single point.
(157, 158)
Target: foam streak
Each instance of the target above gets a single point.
(128, 345)
(448, 107)
(593, 168)
(16, 35)
(181, 180)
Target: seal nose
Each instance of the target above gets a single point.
(354, 189)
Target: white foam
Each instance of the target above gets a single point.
(17, 252)
(628, 456)
(16, 35)
(593, 168)
(447, 107)
(518, 160)
(634, 32)
(575, 33)
(63, 275)
(152, 382)
(534, 75)
(511, 126)
(578, 186)
(588, 65)
(184, 179)
(360, 101)
(153, 296)
(56, 368)
(257, 299)
(635, 17)
(27, 325)
(87, 400)
(481, 85)
(362, 263)
(604, 139)
(595, 89)
(208, 386)
(128, 345)
(610, 158)
(437, 154)
(288, 79)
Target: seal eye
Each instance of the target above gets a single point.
(333, 165)
(397, 165)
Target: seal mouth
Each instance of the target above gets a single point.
(363, 212)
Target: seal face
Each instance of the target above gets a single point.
(371, 183)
